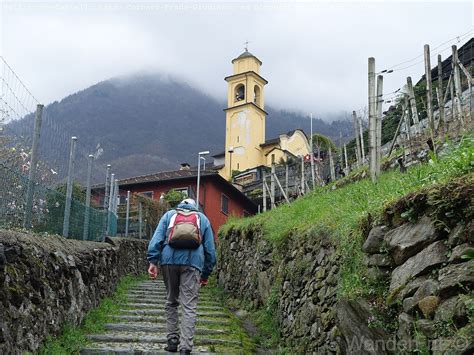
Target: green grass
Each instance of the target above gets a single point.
(236, 332)
(73, 339)
(339, 212)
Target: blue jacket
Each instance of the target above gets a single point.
(202, 258)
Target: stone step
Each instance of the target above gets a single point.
(150, 300)
(153, 328)
(158, 306)
(159, 312)
(141, 338)
(161, 296)
(133, 349)
(162, 320)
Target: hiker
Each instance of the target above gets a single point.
(183, 244)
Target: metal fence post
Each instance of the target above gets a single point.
(70, 171)
(140, 220)
(32, 173)
(109, 204)
(106, 201)
(127, 215)
(88, 198)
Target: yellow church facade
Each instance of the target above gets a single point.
(245, 144)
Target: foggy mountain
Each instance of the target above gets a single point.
(149, 123)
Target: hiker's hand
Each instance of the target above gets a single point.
(204, 282)
(153, 271)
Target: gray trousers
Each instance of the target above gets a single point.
(182, 285)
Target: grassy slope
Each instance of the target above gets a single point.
(340, 211)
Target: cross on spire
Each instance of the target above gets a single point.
(246, 45)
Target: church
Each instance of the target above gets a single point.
(246, 146)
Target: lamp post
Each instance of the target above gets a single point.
(200, 155)
(230, 151)
(204, 167)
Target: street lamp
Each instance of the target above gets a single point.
(204, 168)
(200, 155)
(230, 151)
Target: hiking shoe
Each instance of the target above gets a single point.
(187, 352)
(172, 345)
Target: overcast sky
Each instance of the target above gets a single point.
(314, 54)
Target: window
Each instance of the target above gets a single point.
(273, 158)
(148, 194)
(256, 95)
(239, 93)
(183, 190)
(238, 139)
(224, 204)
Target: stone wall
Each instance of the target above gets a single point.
(422, 285)
(48, 281)
(299, 285)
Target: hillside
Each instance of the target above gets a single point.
(147, 123)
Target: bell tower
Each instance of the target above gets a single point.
(245, 115)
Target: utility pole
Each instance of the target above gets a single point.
(70, 171)
(30, 192)
(312, 153)
(414, 110)
(440, 94)
(106, 201)
(457, 84)
(356, 131)
(88, 198)
(372, 121)
(379, 124)
(127, 215)
(429, 91)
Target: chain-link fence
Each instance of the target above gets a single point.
(48, 207)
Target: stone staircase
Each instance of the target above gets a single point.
(140, 328)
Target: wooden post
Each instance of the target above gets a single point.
(407, 119)
(397, 130)
(331, 165)
(457, 85)
(372, 121)
(379, 124)
(272, 199)
(356, 132)
(440, 96)
(281, 188)
(429, 91)
(312, 154)
(264, 178)
(414, 110)
(362, 145)
(345, 159)
(272, 185)
(302, 175)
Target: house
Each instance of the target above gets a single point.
(218, 198)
